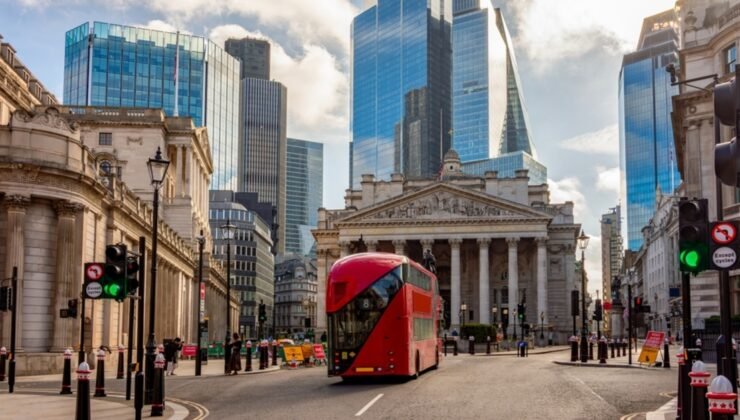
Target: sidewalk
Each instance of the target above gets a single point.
(28, 404)
(538, 350)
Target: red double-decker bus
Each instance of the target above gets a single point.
(383, 315)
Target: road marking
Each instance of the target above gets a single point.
(588, 388)
(368, 405)
(632, 416)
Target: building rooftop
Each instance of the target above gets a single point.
(37, 89)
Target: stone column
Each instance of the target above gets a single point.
(322, 270)
(542, 277)
(513, 280)
(570, 274)
(343, 249)
(455, 282)
(16, 206)
(66, 271)
(484, 303)
(372, 245)
(400, 246)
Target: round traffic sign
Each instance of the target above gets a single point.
(724, 257)
(93, 290)
(724, 233)
(94, 271)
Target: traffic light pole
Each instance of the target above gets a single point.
(728, 363)
(139, 381)
(82, 329)
(13, 329)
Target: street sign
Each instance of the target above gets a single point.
(93, 290)
(651, 348)
(723, 233)
(94, 271)
(724, 257)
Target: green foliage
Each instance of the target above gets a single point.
(479, 331)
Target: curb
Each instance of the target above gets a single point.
(596, 364)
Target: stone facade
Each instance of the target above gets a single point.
(296, 290)
(496, 241)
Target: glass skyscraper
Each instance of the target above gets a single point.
(305, 190)
(489, 117)
(400, 106)
(111, 65)
(506, 165)
(647, 154)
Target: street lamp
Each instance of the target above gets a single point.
(307, 309)
(227, 231)
(157, 171)
(463, 309)
(582, 244)
(198, 358)
(494, 311)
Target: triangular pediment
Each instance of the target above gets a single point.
(444, 201)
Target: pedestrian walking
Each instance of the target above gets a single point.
(170, 355)
(235, 362)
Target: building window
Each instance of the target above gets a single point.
(105, 139)
(729, 56)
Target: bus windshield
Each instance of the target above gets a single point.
(352, 324)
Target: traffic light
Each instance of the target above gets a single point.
(72, 308)
(114, 281)
(693, 235)
(520, 312)
(598, 311)
(727, 154)
(262, 313)
(132, 275)
(638, 303)
(5, 295)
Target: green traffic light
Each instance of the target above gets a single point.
(690, 258)
(112, 290)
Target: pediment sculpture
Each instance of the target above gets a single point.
(441, 205)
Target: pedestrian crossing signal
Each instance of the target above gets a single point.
(6, 294)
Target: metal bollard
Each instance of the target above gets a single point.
(611, 344)
(3, 358)
(679, 394)
(248, 368)
(573, 348)
(263, 355)
(119, 374)
(444, 344)
(67, 374)
(602, 350)
(100, 375)
(721, 399)
(158, 396)
(454, 347)
(699, 382)
(666, 355)
(471, 345)
(274, 352)
(590, 349)
(82, 411)
(488, 344)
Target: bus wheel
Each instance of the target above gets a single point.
(416, 371)
(436, 358)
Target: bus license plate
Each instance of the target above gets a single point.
(364, 369)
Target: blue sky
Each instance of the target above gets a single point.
(569, 54)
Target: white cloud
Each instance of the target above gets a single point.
(318, 89)
(551, 31)
(608, 179)
(160, 25)
(593, 264)
(569, 189)
(604, 141)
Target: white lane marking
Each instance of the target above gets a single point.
(588, 388)
(368, 405)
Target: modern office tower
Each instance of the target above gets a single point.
(507, 166)
(400, 107)
(252, 261)
(109, 65)
(647, 153)
(488, 113)
(264, 145)
(254, 55)
(305, 189)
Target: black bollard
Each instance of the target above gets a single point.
(611, 344)
(100, 375)
(83, 392)
(471, 345)
(119, 374)
(158, 394)
(3, 358)
(454, 348)
(590, 349)
(666, 355)
(248, 368)
(573, 348)
(444, 344)
(488, 345)
(274, 352)
(263, 354)
(67, 374)
(699, 382)
(721, 399)
(602, 351)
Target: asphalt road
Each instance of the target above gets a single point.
(464, 387)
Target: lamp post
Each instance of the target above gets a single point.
(227, 231)
(494, 312)
(157, 171)
(463, 309)
(582, 244)
(198, 358)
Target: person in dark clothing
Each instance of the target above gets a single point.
(170, 354)
(235, 363)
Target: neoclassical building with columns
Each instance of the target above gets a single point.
(497, 242)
